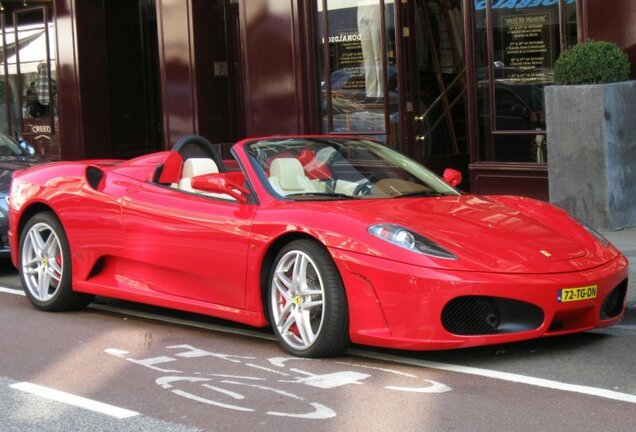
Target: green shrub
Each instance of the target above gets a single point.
(592, 62)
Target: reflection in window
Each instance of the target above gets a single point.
(358, 74)
(525, 45)
(28, 89)
(40, 94)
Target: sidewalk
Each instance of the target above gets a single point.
(625, 241)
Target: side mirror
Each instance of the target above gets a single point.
(452, 177)
(222, 183)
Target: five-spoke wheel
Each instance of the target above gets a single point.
(307, 305)
(45, 265)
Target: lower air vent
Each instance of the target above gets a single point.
(481, 315)
(613, 303)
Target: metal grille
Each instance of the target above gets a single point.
(471, 316)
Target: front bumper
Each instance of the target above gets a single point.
(401, 306)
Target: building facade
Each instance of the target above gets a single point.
(452, 83)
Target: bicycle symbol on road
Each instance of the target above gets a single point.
(273, 377)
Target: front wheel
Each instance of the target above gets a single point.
(307, 303)
(45, 265)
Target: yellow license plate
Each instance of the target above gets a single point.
(577, 294)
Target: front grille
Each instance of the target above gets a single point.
(482, 315)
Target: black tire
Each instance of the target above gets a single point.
(309, 316)
(44, 264)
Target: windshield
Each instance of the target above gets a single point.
(341, 168)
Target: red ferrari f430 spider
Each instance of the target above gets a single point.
(329, 240)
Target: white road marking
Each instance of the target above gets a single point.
(435, 387)
(152, 362)
(321, 413)
(504, 376)
(78, 401)
(192, 352)
(328, 381)
(622, 327)
(166, 383)
(274, 371)
(116, 352)
(12, 291)
(381, 369)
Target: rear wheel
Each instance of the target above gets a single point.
(307, 303)
(45, 265)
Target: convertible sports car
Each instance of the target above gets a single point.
(330, 239)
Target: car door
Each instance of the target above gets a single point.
(187, 245)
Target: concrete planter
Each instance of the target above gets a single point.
(591, 135)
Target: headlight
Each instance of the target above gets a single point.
(592, 231)
(407, 239)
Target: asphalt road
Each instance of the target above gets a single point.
(122, 367)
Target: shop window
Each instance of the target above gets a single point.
(516, 46)
(358, 72)
(28, 88)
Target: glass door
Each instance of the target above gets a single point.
(434, 74)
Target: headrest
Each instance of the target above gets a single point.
(289, 172)
(193, 167)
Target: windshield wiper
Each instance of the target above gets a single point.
(334, 195)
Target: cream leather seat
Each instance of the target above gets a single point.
(288, 177)
(193, 167)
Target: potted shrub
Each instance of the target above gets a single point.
(592, 62)
(591, 134)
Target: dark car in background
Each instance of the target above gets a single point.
(14, 155)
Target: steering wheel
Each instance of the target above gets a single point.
(366, 187)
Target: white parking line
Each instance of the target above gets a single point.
(12, 291)
(78, 401)
(623, 327)
(504, 376)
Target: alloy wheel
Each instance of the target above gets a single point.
(298, 300)
(42, 262)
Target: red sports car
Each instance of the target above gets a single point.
(331, 240)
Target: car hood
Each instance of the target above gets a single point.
(488, 235)
(10, 164)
